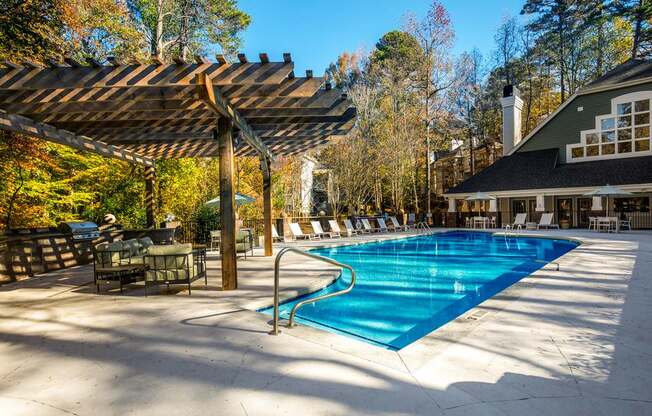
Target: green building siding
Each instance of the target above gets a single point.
(565, 128)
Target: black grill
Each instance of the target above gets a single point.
(82, 230)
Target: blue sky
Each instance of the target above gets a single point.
(317, 31)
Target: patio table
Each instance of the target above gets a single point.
(480, 222)
(609, 224)
(124, 274)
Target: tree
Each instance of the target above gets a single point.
(181, 28)
(435, 37)
(507, 46)
(639, 14)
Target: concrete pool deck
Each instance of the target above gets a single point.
(577, 341)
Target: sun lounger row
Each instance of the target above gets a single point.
(335, 230)
(520, 222)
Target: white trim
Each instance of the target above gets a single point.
(570, 99)
(615, 102)
(643, 187)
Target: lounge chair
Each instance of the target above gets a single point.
(335, 228)
(382, 225)
(367, 227)
(350, 229)
(396, 225)
(519, 222)
(411, 223)
(546, 221)
(275, 235)
(318, 231)
(297, 233)
(215, 238)
(244, 242)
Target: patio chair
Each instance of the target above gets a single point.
(519, 222)
(174, 264)
(275, 235)
(593, 223)
(626, 223)
(297, 233)
(396, 225)
(215, 239)
(335, 228)
(350, 229)
(546, 221)
(244, 242)
(318, 230)
(382, 225)
(367, 227)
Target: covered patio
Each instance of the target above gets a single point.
(139, 112)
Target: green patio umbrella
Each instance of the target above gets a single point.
(240, 199)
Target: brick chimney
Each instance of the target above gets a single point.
(512, 106)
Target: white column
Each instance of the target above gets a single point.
(541, 204)
(597, 203)
(452, 205)
(493, 205)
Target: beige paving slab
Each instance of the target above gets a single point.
(571, 342)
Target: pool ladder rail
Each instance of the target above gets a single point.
(277, 262)
(423, 227)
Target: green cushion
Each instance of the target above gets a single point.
(169, 257)
(108, 254)
(146, 242)
(173, 274)
(131, 247)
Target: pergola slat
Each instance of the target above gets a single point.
(24, 125)
(295, 87)
(142, 75)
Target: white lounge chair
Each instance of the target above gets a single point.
(318, 231)
(350, 229)
(367, 227)
(546, 221)
(275, 235)
(335, 228)
(396, 225)
(382, 225)
(297, 233)
(411, 223)
(519, 222)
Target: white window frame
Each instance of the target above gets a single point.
(626, 98)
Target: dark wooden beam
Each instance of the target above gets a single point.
(227, 205)
(339, 107)
(142, 75)
(24, 125)
(104, 107)
(150, 185)
(266, 168)
(296, 87)
(222, 108)
(321, 99)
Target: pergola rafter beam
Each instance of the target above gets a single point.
(24, 125)
(28, 78)
(220, 105)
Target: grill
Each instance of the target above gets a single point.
(82, 230)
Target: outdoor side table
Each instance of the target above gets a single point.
(124, 274)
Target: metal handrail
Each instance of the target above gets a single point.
(423, 226)
(277, 262)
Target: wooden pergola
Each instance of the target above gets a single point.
(140, 112)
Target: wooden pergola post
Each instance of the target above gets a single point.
(227, 204)
(267, 204)
(150, 182)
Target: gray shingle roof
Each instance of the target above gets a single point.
(627, 71)
(540, 170)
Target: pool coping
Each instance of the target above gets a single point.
(423, 350)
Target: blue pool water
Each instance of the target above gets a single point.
(406, 288)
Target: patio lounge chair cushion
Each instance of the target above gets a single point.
(108, 254)
(242, 241)
(170, 262)
(131, 248)
(146, 243)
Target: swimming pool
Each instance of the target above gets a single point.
(406, 288)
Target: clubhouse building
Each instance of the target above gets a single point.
(599, 136)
